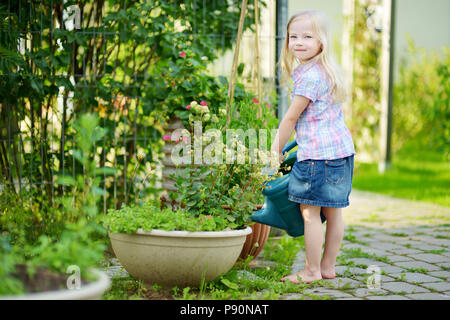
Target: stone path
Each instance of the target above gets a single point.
(393, 249)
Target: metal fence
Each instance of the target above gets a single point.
(60, 59)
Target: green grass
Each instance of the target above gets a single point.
(417, 173)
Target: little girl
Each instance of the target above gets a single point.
(321, 178)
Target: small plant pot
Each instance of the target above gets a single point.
(255, 241)
(90, 291)
(178, 258)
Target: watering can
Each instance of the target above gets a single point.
(278, 211)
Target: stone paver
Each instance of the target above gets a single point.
(438, 286)
(327, 292)
(388, 297)
(403, 287)
(415, 277)
(432, 258)
(428, 296)
(417, 265)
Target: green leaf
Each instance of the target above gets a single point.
(105, 171)
(65, 180)
(230, 284)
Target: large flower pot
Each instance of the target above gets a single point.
(91, 291)
(178, 258)
(256, 240)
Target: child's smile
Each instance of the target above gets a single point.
(303, 41)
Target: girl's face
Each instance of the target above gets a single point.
(304, 43)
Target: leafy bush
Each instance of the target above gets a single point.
(78, 240)
(421, 100)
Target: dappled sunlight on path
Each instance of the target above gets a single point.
(377, 210)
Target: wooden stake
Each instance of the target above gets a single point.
(235, 60)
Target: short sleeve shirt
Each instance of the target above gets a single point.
(321, 132)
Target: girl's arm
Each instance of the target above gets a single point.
(299, 103)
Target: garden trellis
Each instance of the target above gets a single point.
(62, 58)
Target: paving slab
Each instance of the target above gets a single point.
(390, 269)
(428, 296)
(397, 258)
(415, 277)
(345, 270)
(388, 297)
(368, 262)
(403, 287)
(384, 278)
(405, 250)
(328, 292)
(438, 286)
(116, 271)
(439, 274)
(339, 283)
(417, 265)
(431, 257)
(365, 292)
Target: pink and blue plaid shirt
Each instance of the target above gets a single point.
(321, 133)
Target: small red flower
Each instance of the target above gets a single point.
(188, 106)
(182, 54)
(255, 100)
(203, 103)
(165, 138)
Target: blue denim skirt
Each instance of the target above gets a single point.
(324, 183)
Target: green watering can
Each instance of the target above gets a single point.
(278, 211)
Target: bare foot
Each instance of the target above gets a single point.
(302, 276)
(328, 273)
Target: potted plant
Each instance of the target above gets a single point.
(51, 252)
(198, 232)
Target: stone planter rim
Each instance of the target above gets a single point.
(195, 234)
(89, 291)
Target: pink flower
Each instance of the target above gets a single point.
(165, 138)
(203, 103)
(188, 106)
(185, 139)
(255, 100)
(268, 106)
(182, 54)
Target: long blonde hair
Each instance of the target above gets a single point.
(320, 26)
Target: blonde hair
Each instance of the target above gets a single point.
(320, 26)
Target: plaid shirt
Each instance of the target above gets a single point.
(321, 133)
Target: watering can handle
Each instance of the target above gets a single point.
(289, 146)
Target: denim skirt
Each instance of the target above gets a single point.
(324, 183)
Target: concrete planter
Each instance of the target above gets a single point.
(91, 291)
(178, 258)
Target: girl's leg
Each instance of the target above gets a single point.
(333, 240)
(313, 246)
